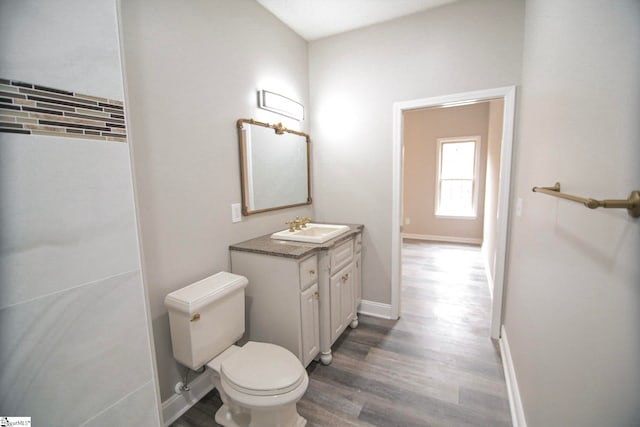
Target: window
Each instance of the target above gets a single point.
(457, 179)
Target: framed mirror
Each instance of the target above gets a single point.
(274, 166)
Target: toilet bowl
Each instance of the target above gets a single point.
(259, 383)
(259, 380)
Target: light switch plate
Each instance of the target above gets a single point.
(236, 212)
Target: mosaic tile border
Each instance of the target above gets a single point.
(31, 109)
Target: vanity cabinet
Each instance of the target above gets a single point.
(300, 296)
(281, 301)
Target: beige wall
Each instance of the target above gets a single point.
(494, 144)
(356, 77)
(572, 310)
(192, 68)
(422, 128)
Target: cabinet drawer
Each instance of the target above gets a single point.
(308, 272)
(358, 245)
(341, 255)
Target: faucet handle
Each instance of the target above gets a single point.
(301, 222)
(293, 223)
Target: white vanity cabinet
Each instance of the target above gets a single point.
(281, 301)
(301, 296)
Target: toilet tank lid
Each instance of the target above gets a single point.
(193, 297)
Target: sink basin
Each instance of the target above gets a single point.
(314, 233)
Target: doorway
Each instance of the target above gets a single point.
(507, 94)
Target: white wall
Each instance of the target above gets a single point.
(75, 346)
(51, 36)
(573, 298)
(356, 77)
(192, 69)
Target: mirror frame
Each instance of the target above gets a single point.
(279, 129)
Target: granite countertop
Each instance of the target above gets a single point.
(290, 249)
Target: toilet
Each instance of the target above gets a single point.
(259, 383)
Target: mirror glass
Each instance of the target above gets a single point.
(274, 167)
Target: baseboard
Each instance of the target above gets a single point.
(515, 403)
(375, 309)
(178, 404)
(449, 239)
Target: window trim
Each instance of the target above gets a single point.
(476, 175)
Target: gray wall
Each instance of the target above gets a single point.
(192, 69)
(573, 296)
(75, 337)
(356, 77)
(72, 303)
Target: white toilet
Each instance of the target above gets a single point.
(259, 383)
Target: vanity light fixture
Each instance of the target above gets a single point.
(280, 104)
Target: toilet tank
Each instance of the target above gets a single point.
(206, 318)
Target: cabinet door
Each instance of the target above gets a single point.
(342, 301)
(310, 321)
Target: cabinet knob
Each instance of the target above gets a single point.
(195, 317)
(312, 272)
(316, 296)
(345, 277)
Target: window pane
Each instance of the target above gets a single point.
(456, 197)
(457, 160)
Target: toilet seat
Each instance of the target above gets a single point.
(262, 369)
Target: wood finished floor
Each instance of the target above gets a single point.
(435, 366)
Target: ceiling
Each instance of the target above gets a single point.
(314, 19)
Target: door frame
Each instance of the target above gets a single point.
(508, 94)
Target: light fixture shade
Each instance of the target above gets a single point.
(280, 104)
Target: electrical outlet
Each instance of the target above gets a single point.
(407, 220)
(236, 212)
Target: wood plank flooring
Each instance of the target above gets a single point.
(435, 366)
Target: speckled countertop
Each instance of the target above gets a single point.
(290, 249)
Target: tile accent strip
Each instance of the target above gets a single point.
(32, 109)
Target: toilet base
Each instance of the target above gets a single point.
(280, 417)
(226, 418)
(232, 413)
